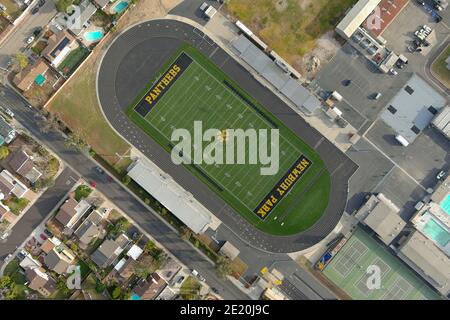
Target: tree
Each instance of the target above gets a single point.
(75, 142)
(21, 61)
(52, 166)
(63, 5)
(5, 282)
(4, 152)
(82, 191)
(43, 183)
(116, 293)
(62, 287)
(120, 226)
(223, 267)
(126, 180)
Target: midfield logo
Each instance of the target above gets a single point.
(227, 146)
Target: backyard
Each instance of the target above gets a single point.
(76, 103)
(73, 60)
(290, 27)
(440, 69)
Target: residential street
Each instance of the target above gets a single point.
(117, 194)
(16, 41)
(36, 213)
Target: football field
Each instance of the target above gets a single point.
(191, 89)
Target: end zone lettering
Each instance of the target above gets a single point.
(283, 186)
(161, 86)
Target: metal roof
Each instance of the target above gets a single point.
(178, 201)
(412, 108)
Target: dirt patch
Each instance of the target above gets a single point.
(281, 5)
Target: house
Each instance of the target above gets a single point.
(59, 46)
(7, 133)
(3, 210)
(150, 288)
(22, 163)
(40, 281)
(101, 3)
(79, 19)
(59, 258)
(9, 185)
(71, 212)
(109, 250)
(30, 74)
(135, 252)
(90, 229)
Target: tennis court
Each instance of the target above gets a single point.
(349, 270)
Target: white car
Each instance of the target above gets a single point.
(30, 39)
(441, 174)
(393, 72)
(2, 7)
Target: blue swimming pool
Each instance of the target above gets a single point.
(445, 204)
(121, 6)
(93, 35)
(436, 232)
(135, 297)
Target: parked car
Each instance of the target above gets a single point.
(180, 280)
(377, 95)
(48, 233)
(99, 170)
(9, 112)
(35, 10)
(441, 174)
(41, 3)
(30, 39)
(347, 82)
(2, 7)
(43, 236)
(215, 290)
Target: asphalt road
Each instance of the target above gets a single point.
(131, 62)
(148, 220)
(37, 212)
(16, 40)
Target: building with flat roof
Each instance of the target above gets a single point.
(355, 17)
(277, 74)
(413, 108)
(381, 215)
(178, 201)
(425, 258)
(229, 250)
(442, 191)
(383, 15)
(442, 121)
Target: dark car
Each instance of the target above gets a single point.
(35, 10)
(215, 290)
(347, 82)
(37, 32)
(48, 233)
(41, 3)
(180, 279)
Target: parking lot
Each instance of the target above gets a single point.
(400, 34)
(422, 159)
(358, 106)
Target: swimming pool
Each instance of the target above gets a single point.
(39, 80)
(437, 233)
(445, 204)
(118, 8)
(93, 35)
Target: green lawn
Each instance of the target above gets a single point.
(190, 289)
(439, 67)
(200, 94)
(348, 270)
(73, 60)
